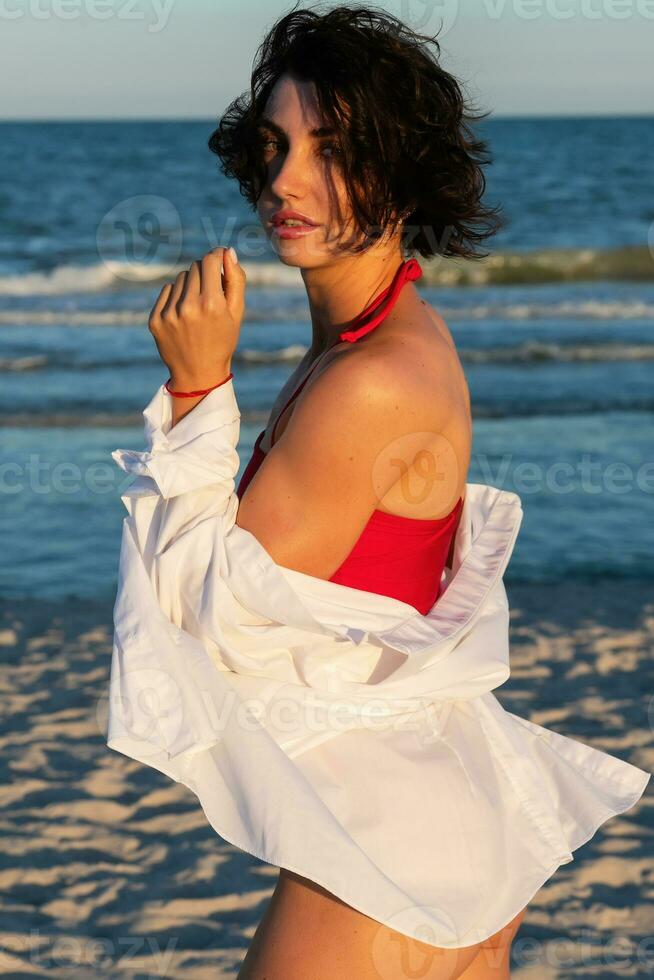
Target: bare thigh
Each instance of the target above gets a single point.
(306, 932)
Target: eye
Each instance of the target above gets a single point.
(335, 149)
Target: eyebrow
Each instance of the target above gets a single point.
(318, 132)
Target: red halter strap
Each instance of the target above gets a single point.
(408, 270)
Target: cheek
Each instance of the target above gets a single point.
(336, 199)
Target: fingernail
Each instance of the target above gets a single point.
(232, 252)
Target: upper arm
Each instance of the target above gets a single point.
(316, 488)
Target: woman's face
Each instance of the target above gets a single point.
(304, 175)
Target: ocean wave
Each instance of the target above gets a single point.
(577, 406)
(595, 309)
(98, 277)
(565, 310)
(520, 409)
(625, 263)
(30, 363)
(61, 360)
(629, 262)
(537, 352)
(294, 352)
(73, 318)
(531, 352)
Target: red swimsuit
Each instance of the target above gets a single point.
(401, 557)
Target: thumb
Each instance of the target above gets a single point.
(234, 283)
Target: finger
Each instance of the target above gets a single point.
(234, 287)
(175, 293)
(212, 275)
(156, 311)
(193, 284)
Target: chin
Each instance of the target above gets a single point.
(291, 258)
(299, 258)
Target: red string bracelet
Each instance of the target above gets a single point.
(194, 394)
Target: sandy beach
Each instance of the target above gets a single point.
(110, 869)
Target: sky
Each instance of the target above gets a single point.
(187, 59)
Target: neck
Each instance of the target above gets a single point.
(340, 291)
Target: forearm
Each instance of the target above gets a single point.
(182, 406)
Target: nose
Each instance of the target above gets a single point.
(288, 175)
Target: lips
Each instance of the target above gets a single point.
(281, 216)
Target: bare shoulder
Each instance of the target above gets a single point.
(356, 398)
(399, 406)
(410, 372)
(358, 389)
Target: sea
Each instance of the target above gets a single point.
(554, 329)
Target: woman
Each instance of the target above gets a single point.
(352, 127)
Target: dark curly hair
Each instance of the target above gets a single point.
(406, 147)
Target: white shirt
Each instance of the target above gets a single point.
(333, 731)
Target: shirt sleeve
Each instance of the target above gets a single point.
(199, 451)
(187, 472)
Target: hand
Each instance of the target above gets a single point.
(196, 320)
